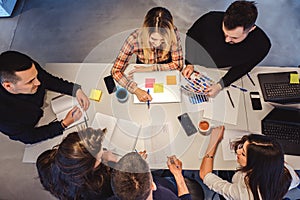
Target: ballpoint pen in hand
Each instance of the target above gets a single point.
(148, 102)
(242, 89)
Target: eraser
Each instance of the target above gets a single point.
(95, 95)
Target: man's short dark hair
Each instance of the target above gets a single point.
(240, 13)
(131, 179)
(11, 62)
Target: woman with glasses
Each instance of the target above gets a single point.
(262, 173)
(156, 42)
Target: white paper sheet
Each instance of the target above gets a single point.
(220, 108)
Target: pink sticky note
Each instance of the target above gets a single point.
(149, 82)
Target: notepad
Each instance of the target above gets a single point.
(122, 135)
(95, 95)
(62, 104)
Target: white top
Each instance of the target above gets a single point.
(238, 189)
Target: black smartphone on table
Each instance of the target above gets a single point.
(255, 101)
(187, 124)
(110, 84)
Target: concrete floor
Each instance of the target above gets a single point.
(93, 31)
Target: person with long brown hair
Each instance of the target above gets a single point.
(74, 168)
(156, 42)
(262, 174)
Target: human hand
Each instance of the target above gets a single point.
(187, 71)
(175, 165)
(143, 154)
(108, 156)
(213, 90)
(139, 68)
(216, 136)
(82, 99)
(73, 115)
(142, 95)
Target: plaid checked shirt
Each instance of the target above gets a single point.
(131, 46)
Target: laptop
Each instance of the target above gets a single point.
(276, 87)
(283, 124)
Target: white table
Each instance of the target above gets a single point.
(90, 75)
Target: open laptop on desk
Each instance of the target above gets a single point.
(276, 87)
(283, 124)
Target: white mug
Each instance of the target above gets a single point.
(204, 127)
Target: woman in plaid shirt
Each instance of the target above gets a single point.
(156, 42)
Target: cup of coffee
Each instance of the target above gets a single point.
(122, 94)
(204, 127)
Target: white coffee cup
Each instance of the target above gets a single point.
(122, 94)
(204, 127)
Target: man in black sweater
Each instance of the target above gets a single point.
(229, 39)
(22, 91)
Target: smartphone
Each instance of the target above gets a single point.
(110, 84)
(187, 124)
(255, 101)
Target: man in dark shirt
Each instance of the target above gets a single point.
(22, 91)
(229, 39)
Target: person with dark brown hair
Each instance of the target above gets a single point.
(262, 174)
(22, 94)
(228, 39)
(74, 169)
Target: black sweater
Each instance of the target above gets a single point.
(21, 112)
(205, 45)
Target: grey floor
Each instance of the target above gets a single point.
(93, 31)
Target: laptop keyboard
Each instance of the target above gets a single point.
(282, 90)
(285, 132)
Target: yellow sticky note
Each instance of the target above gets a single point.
(95, 94)
(294, 78)
(158, 87)
(171, 80)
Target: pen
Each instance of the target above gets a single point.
(148, 102)
(85, 121)
(250, 79)
(242, 89)
(230, 98)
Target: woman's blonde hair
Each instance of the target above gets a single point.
(158, 20)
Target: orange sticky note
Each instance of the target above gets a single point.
(158, 88)
(171, 80)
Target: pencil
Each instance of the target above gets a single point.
(250, 79)
(230, 98)
(85, 121)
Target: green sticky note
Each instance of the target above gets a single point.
(158, 88)
(294, 78)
